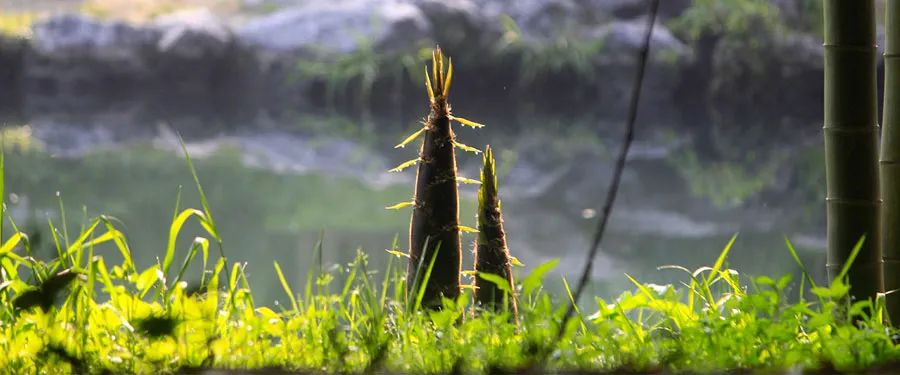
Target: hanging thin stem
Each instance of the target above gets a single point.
(620, 167)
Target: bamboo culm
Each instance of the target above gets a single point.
(851, 141)
(890, 158)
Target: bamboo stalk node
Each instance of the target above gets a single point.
(851, 47)
(850, 129)
(854, 202)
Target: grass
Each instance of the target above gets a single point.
(76, 313)
(565, 53)
(353, 75)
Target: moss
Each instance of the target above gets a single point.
(735, 19)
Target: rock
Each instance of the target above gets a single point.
(65, 43)
(196, 53)
(460, 25)
(319, 31)
(548, 19)
(622, 41)
(12, 54)
(337, 27)
(75, 59)
(627, 9)
(193, 35)
(538, 20)
(627, 38)
(784, 71)
(70, 37)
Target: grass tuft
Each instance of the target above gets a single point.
(92, 317)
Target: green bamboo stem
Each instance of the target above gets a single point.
(491, 251)
(851, 141)
(434, 226)
(890, 158)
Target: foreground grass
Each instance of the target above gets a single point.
(77, 313)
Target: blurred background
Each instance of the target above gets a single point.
(291, 109)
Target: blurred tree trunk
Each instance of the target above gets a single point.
(851, 142)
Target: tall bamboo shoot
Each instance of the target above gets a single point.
(434, 226)
(491, 252)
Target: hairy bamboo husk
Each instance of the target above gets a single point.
(851, 141)
(491, 252)
(434, 226)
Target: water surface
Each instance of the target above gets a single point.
(279, 183)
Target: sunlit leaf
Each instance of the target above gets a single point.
(286, 286)
(465, 229)
(501, 282)
(466, 122)
(836, 290)
(147, 279)
(398, 253)
(466, 148)
(405, 165)
(850, 259)
(468, 181)
(449, 79)
(428, 86)
(401, 205)
(410, 138)
(720, 260)
(435, 72)
(533, 280)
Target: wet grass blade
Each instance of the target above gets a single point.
(411, 138)
(405, 165)
(287, 287)
(467, 148)
(469, 123)
(720, 261)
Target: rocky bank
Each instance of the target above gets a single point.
(581, 51)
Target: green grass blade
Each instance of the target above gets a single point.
(420, 294)
(2, 188)
(720, 260)
(411, 138)
(287, 287)
(405, 165)
(846, 268)
(174, 230)
(796, 257)
(469, 123)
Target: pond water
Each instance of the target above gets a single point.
(276, 183)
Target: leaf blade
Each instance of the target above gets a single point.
(410, 138)
(467, 122)
(404, 165)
